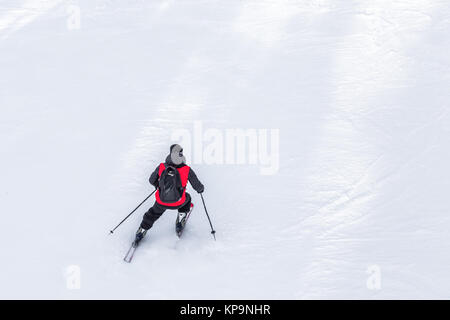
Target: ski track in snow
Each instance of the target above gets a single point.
(359, 91)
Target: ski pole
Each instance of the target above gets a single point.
(213, 232)
(112, 231)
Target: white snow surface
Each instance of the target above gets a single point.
(358, 89)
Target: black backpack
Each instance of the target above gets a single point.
(170, 187)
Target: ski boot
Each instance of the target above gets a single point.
(140, 234)
(181, 221)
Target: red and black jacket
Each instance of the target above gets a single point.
(186, 174)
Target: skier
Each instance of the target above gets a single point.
(170, 179)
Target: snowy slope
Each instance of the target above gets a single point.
(359, 91)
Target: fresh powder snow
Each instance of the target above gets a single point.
(339, 191)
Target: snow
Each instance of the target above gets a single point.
(92, 93)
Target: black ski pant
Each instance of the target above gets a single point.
(155, 212)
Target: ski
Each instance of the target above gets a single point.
(129, 256)
(180, 225)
